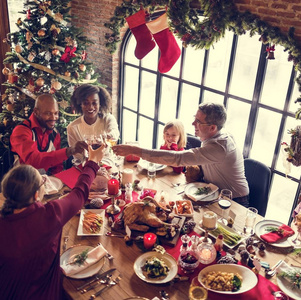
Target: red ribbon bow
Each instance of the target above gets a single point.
(69, 53)
(270, 49)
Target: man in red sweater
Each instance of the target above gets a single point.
(36, 142)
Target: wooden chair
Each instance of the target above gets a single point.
(259, 179)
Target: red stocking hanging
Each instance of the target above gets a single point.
(170, 51)
(145, 42)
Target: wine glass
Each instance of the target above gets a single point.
(97, 141)
(224, 204)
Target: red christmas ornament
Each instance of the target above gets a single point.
(270, 51)
(28, 14)
(68, 54)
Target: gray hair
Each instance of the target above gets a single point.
(215, 114)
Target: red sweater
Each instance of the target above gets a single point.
(40, 153)
(174, 147)
(30, 244)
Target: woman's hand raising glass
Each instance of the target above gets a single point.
(96, 155)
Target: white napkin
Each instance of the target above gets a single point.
(94, 256)
(213, 188)
(50, 188)
(284, 267)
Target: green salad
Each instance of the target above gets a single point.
(155, 267)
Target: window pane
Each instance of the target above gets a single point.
(130, 51)
(189, 106)
(265, 136)
(193, 65)
(281, 165)
(237, 121)
(168, 100)
(145, 140)
(281, 199)
(130, 87)
(14, 7)
(150, 61)
(245, 67)
(218, 63)
(293, 107)
(276, 80)
(148, 94)
(213, 97)
(129, 126)
(160, 140)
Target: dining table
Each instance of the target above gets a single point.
(125, 254)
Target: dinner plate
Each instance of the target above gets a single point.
(286, 287)
(191, 189)
(169, 261)
(260, 229)
(108, 161)
(249, 279)
(81, 231)
(54, 185)
(144, 164)
(88, 272)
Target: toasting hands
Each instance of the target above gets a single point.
(124, 150)
(96, 155)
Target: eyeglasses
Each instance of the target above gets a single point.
(200, 123)
(43, 182)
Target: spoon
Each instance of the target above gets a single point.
(271, 272)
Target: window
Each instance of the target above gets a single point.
(258, 93)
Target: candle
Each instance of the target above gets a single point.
(209, 219)
(205, 254)
(127, 176)
(113, 186)
(149, 240)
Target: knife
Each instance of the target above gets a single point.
(97, 277)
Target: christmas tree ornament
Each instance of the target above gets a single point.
(67, 73)
(169, 49)
(55, 52)
(28, 14)
(68, 54)
(12, 77)
(19, 22)
(52, 91)
(5, 120)
(56, 85)
(64, 104)
(76, 75)
(40, 81)
(31, 56)
(82, 67)
(58, 17)
(88, 76)
(144, 39)
(5, 71)
(270, 50)
(84, 55)
(41, 33)
(47, 55)
(10, 106)
(18, 48)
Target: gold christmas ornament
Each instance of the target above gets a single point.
(19, 21)
(30, 88)
(82, 67)
(18, 48)
(56, 85)
(58, 17)
(40, 81)
(55, 52)
(67, 73)
(5, 120)
(41, 33)
(88, 76)
(5, 71)
(10, 107)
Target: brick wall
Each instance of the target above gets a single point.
(92, 14)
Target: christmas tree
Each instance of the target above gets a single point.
(48, 55)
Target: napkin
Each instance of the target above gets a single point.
(132, 158)
(50, 187)
(69, 176)
(284, 267)
(284, 231)
(213, 188)
(94, 256)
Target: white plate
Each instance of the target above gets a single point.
(54, 187)
(286, 287)
(260, 229)
(191, 189)
(108, 161)
(88, 272)
(80, 230)
(249, 279)
(169, 261)
(144, 164)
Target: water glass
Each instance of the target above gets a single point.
(151, 170)
(196, 291)
(250, 220)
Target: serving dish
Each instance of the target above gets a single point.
(191, 189)
(249, 279)
(169, 261)
(81, 231)
(89, 271)
(179, 204)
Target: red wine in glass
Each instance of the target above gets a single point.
(224, 203)
(95, 146)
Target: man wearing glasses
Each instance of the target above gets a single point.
(221, 161)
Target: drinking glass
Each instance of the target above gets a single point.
(250, 220)
(97, 141)
(196, 291)
(224, 204)
(151, 170)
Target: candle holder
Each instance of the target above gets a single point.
(207, 253)
(113, 209)
(208, 223)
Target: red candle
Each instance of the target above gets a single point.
(149, 240)
(113, 186)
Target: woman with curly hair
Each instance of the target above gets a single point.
(93, 103)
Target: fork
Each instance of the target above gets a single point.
(110, 284)
(66, 238)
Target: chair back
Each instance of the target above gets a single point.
(192, 142)
(259, 179)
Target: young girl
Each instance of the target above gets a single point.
(174, 139)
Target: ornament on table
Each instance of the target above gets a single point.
(40, 81)
(84, 55)
(42, 32)
(82, 67)
(169, 49)
(31, 56)
(68, 54)
(144, 39)
(18, 48)
(270, 50)
(6, 71)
